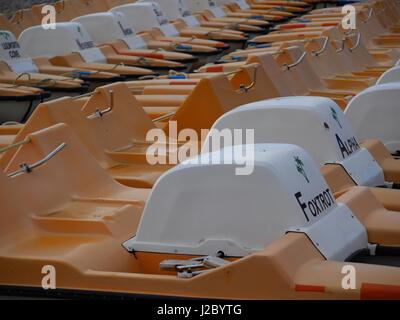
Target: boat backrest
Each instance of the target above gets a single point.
(98, 134)
(113, 26)
(12, 54)
(314, 123)
(193, 218)
(374, 114)
(71, 172)
(390, 75)
(67, 37)
(143, 15)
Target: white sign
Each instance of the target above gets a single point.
(242, 4)
(135, 42)
(191, 21)
(169, 30)
(12, 54)
(93, 55)
(86, 47)
(22, 65)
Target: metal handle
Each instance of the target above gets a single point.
(243, 88)
(324, 46)
(296, 63)
(357, 43)
(341, 45)
(166, 116)
(26, 168)
(371, 11)
(101, 112)
(21, 75)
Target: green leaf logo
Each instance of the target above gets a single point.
(300, 168)
(80, 31)
(335, 117)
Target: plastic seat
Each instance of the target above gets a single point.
(242, 8)
(148, 17)
(264, 6)
(123, 39)
(373, 26)
(332, 67)
(43, 65)
(14, 64)
(188, 25)
(300, 79)
(130, 166)
(374, 114)
(96, 136)
(225, 13)
(216, 15)
(65, 201)
(72, 37)
(389, 76)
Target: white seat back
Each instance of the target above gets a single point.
(147, 15)
(67, 37)
(391, 75)
(13, 55)
(374, 114)
(316, 124)
(142, 15)
(113, 26)
(211, 210)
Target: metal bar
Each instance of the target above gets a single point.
(166, 116)
(324, 46)
(296, 63)
(357, 43)
(101, 112)
(25, 168)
